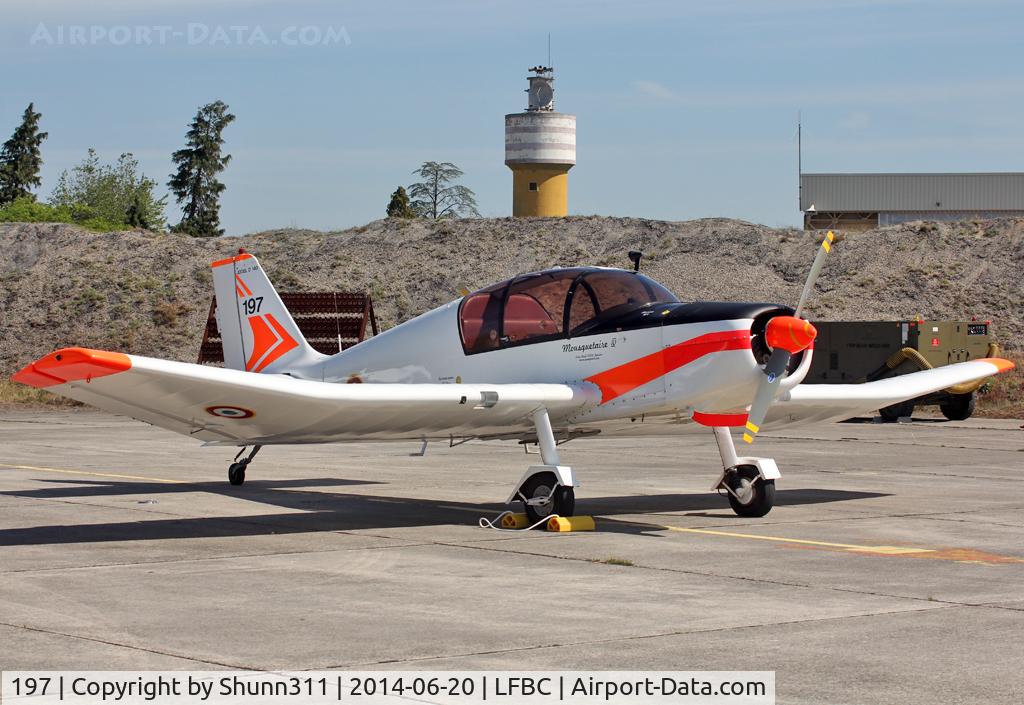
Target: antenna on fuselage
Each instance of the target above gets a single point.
(634, 257)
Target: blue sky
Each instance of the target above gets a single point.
(685, 109)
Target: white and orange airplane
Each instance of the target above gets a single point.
(542, 358)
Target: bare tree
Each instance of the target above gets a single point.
(437, 196)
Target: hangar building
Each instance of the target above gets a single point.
(866, 201)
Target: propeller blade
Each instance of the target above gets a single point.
(812, 277)
(786, 336)
(773, 372)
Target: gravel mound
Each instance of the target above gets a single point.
(149, 293)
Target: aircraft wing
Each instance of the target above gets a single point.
(232, 407)
(820, 403)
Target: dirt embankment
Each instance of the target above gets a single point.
(149, 294)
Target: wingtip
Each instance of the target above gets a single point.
(999, 363)
(70, 365)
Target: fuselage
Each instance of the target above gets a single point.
(651, 359)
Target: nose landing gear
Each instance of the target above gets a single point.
(748, 482)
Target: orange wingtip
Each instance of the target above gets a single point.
(229, 260)
(72, 364)
(1001, 364)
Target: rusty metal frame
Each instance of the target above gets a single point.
(311, 311)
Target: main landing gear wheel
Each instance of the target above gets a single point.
(543, 496)
(749, 494)
(236, 471)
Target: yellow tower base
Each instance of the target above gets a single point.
(540, 190)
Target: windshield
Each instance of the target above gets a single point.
(603, 295)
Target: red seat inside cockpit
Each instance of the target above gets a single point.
(526, 318)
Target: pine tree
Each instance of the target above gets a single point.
(135, 214)
(195, 183)
(20, 159)
(399, 206)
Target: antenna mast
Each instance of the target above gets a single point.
(799, 165)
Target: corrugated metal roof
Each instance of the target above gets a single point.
(912, 192)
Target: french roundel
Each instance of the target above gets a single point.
(230, 412)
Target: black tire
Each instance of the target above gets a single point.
(960, 407)
(759, 495)
(891, 414)
(236, 473)
(563, 499)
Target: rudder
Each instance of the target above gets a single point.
(256, 330)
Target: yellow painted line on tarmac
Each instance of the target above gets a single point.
(67, 471)
(957, 555)
(888, 550)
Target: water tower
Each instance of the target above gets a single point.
(540, 148)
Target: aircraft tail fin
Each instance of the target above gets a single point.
(256, 330)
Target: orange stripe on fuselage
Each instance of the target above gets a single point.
(719, 419)
(627, 377)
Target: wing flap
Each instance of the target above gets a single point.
(232, 407)
(821, 403)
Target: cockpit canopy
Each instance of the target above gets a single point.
(557, 303)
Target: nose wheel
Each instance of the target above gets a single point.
(236, 471)
(750, 495)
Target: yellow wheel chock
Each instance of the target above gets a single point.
(514, 521)
(510, 521)
(570, 524)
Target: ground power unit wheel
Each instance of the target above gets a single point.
(561, 501)
(890, 414)
(959, 407)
